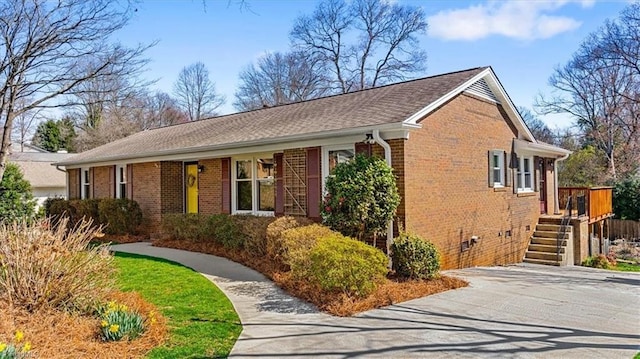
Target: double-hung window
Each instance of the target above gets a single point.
(497, 168)
(333, 156)
(525, 174)
(254, 185)
(121, 181)
(86, 183)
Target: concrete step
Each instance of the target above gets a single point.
(545, 248)
(547, 241)
(553, 228)
(550, 220)
(541, 261)
(550, 234)
(543, 255)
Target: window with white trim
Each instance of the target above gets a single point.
(86, 183)
(254, 185)
(525, 174)
(334, 155)
(121, 181)
(498, 168)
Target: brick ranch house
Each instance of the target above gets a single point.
(472, 177)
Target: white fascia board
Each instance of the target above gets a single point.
(413, 119)
(494, 84)
(388, 131)
(542, 149)
(509, 106)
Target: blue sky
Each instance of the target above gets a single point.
(522, 40)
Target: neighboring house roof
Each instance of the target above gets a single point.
(38, 169)
(400, 105)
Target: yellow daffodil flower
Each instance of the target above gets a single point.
(19, 336)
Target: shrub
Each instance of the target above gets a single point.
(52, 268)
(118, 322)
(86, 209)
(626, 198)
(254, 231)
(274, 235)
(337, 263)
(297, 244)
(225, 230)
(189, 226)
(119, 215)
(361, 198)
(599, 261)
(414, 257)
(16, 199)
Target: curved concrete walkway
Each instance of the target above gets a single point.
(523, 311)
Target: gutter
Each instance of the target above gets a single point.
(387, 156)
(556, 202)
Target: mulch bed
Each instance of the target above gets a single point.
(390, 292)
(58, 335)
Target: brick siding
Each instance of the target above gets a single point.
(102, 182)
(146, 191)
(210, 187)
(73, 190)
(448, 199)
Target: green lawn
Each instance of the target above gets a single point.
(627, 267)
(201, 320)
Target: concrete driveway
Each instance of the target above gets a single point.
(523, 311)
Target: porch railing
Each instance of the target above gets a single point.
(595, 202)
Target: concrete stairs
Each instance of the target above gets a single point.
(543, 248)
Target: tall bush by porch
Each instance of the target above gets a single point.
(361, 197)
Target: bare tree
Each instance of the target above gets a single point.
(24, 126)
(43, 49)
(278, 79)
(160, 109)
(196, 93)
(386, 46)
(600, 88)
(539, 129)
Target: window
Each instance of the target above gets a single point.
(86, 183)
(121, 181)
(524, 174)
(334, 155)
(254, 184)
(497, 168)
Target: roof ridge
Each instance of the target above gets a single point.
(315, 99)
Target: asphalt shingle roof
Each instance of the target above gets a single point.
(377, 106)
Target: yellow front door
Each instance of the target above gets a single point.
(191, 183)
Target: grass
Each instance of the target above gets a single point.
(626, 267)
(201, 320)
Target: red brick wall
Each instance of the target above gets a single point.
(73, 176)
(210, 187)
(171, 187)
(146, 191)
(102, 182)
(447, 197)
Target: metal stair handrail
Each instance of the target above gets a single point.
(564, 223)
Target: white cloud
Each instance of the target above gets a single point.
(523, 20)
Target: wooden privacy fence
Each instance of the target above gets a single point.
(623, 228)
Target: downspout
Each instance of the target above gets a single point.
(556, 200)
(387, 157)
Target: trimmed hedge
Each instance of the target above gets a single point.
(338, 263)
(117, 216)
(275, 247)
(414, 257)
(297, 244)
(234, 232)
